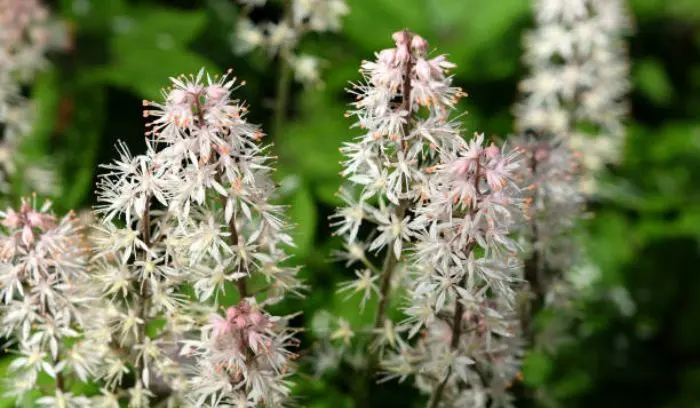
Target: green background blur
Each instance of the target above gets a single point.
(644, 237)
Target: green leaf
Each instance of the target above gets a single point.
(149, 46)
(156, 27)
(310, 145)
(651, 79)
(78, 145)
(137, 72)
(92, 15)
(536, 368)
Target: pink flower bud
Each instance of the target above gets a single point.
(257, 319)
(231, 313)
(34, 218)
(12, 219)
(27, 235)
(493, 152)
(216, 93)
(460, 167)
(387, 56)
(177, 96)
(400, 37)
(239, 322)
(403, 55)
(419, 44)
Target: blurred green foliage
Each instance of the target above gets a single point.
(645, 235)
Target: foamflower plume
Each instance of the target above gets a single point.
(194, 210)
(466, 275)
(47, 303)
(403, 109)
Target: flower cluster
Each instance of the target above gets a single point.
(576, 91)
(243, 359)
(281, 38)
(403, 107)
(221, 191)
(46, 303)
(194, 210)
(571, 124)
(226, 232)
(26, 35)
(134, 265)
(466, 276)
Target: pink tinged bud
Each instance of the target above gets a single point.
(12, 219)
(257, 319)
(493, 152)
(177, 96)
(216, 92)
(239, 322)
(423, 70)
(419, 44)
(400, 37)
(231, 313)
(27, 235)
(34, 218)
(403, 55)
(460, 167)
(387, 57)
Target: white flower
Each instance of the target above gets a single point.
(306, 69)
(364, 283)
(48, 299)
(220, 228)
(27, 34)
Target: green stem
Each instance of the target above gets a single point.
(390, 262)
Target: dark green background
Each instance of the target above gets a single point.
(645, 236)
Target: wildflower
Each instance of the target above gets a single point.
(464, 299)
(47, 297)
(280, 38)
(27, 34)
(242, 356)
(571, 122)
(222, 229)
(402, 107)
(579, 75)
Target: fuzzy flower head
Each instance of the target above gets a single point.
(244, 356)
(47, 297)
(27, 34)
(402, 107)
(210, 153)
(465, 278)
(579, 80)
(384, 161)
(38, 247)
(281, 38)
(219, 226)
